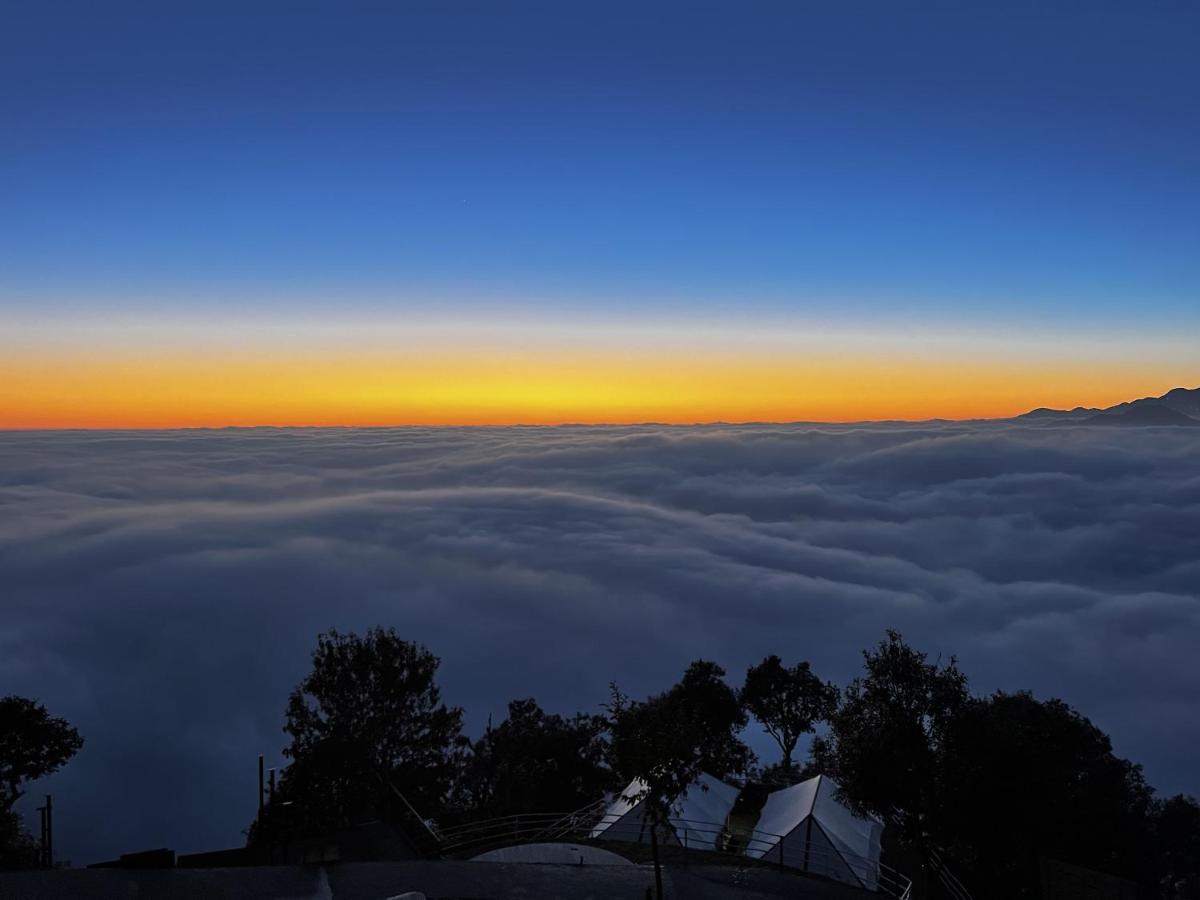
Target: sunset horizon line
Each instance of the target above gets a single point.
(572, 423)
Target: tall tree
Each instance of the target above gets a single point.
(668, 740)
(885, 740)
(33, 744)
(1177, 837)
(368, 713)
(1051, 787)
(536, 762)
(994, 784)
(787, 702)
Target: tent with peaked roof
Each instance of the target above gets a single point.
(806, 827)
(697, 815)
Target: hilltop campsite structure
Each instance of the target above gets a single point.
(697, 815)
(804, 826)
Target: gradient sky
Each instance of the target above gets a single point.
(316, 213)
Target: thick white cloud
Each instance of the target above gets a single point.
(163, 590)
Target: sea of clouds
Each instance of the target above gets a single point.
(163, 590)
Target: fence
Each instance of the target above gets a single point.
(809, 852)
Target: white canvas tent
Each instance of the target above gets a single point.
(817, 833)
(697, 815)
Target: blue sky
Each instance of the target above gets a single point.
(956, 159)
(1023, 179)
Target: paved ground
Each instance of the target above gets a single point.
(441, 880)
(557, 852)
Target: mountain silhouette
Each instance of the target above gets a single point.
(1179, 406)
(1156, 414)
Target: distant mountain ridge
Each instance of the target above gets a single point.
(1179, 406)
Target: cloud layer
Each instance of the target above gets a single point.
(163, 590)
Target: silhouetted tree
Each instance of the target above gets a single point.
(367, 714)
(535, 762)
(787, 702)
(886, 739)
(668, 740)
(18, 849)
(1023, 779)
(33, 744)
(993, 784)
(1176, 823)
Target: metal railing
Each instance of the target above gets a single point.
(796, 852)
(949, 881)
(522, 827)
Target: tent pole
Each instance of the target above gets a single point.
(807, 840)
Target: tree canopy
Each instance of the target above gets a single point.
(991, 785)
(787, 702)
(668, 739)
(1177, 838)
(886, 739)
(33, 744)
(536, 762)
(1024, 778)
(368, 713)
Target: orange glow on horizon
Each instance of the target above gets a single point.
(497, 388)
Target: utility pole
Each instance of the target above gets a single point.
(46, 838)
(49, 831)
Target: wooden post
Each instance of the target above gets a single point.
(41, 854)
(49, 832)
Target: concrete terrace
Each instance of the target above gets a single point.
(438, 880)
